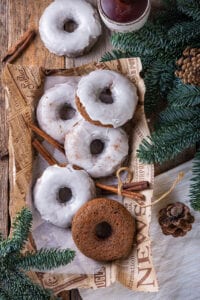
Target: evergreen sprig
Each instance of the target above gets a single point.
(14, 283)
(46, 259)
(159, 44)
(178, 115)
(183, 95)
(178, 128)
(163, 145)
(190, 8)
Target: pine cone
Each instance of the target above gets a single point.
(189, 66)
(175, 219)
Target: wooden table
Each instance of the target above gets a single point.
(16, 17)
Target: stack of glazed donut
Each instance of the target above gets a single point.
(86, 118)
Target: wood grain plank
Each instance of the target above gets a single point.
(3, 43)
(3, 126)
(22, 15)
(4, 197)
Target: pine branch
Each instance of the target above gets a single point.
(166, 143)
(21, 229)
(190, 8)
(158, 81)
(3, 295)
(137, 41)
(184, 95)
(195, 185)
(14, 284)
(46, 259)
(183, 33)
(19, 286)
(173, 115)
(115, 54)
(169, 134)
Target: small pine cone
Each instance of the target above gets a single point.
(188, 66)
(175, 219)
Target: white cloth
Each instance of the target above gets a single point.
(176, 260)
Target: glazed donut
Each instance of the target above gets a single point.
(103, 229)
(60, 192)
(70, 43)
(106, 98)
(56, 110)
(98, 150)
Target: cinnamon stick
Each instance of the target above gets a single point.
(112, 189)
(44, 153)
(48, 157)
(136, 186)
(47, 138)
(20, 46)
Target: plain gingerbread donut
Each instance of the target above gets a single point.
(103, 229)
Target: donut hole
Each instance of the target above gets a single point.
(96, 146)
(106, 96)
(103, 230)
(64, 194)
(70, 26)
(66, 112)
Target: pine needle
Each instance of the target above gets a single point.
(14, 283)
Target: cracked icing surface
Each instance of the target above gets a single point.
(46, 192)
(61, 42)
(77, 148)
(123, 92)
(49, 107)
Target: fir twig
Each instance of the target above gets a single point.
(176, 115)
(14, 283)
(190, 8)
(184, 95)
(162, 145)
(21, 229)
(186, 30)
(45, 259)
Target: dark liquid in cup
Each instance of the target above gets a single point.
(123, 11)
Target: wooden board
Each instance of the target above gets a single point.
(3, 128)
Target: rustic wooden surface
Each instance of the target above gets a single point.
(3, 127)
(16, 17)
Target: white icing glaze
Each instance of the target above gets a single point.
(49, 106)
(46, 193)
(61, 42)
(124, 95)
(77, 148)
